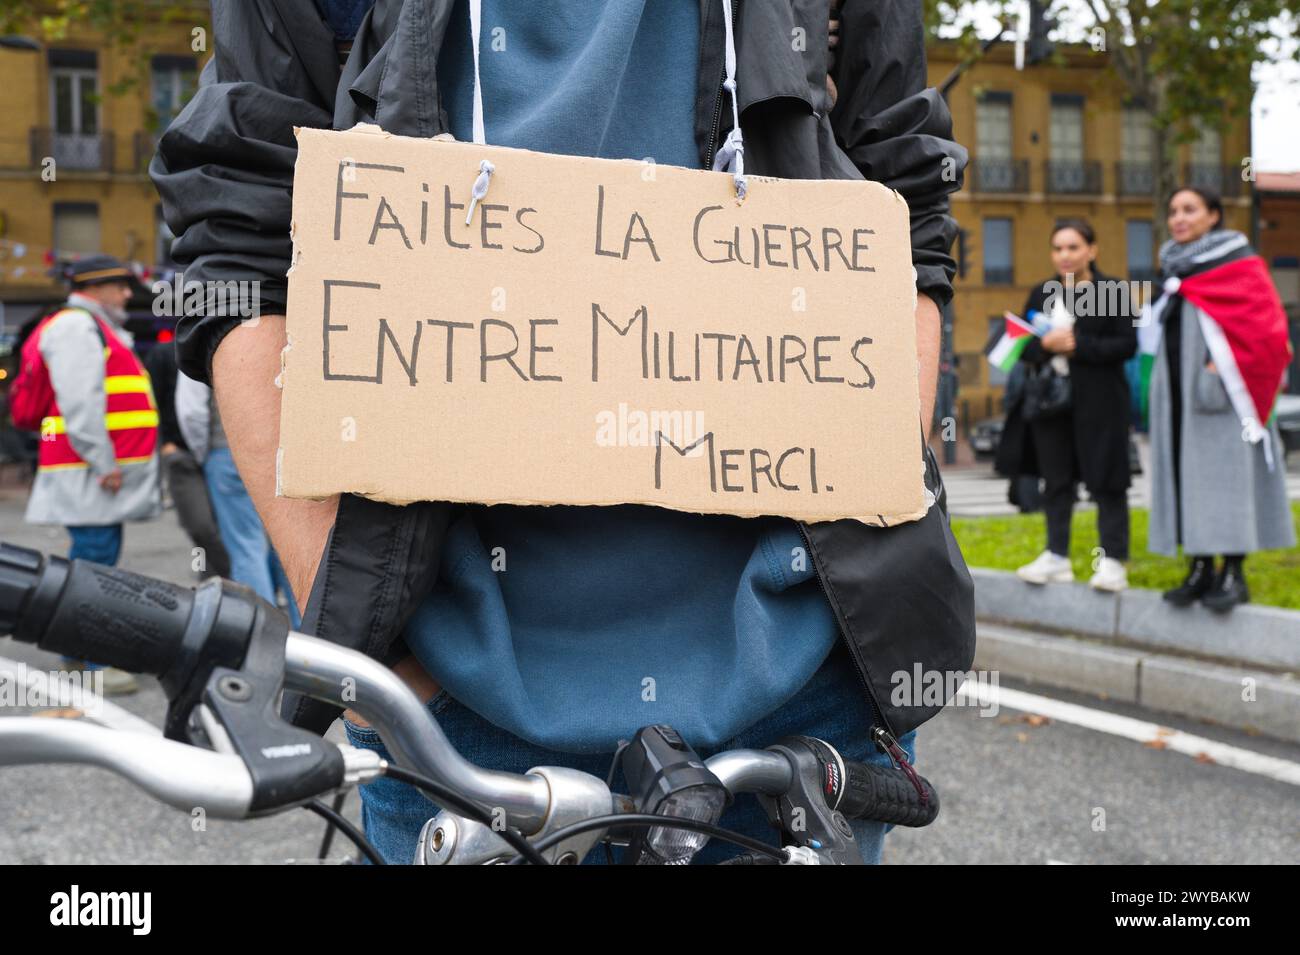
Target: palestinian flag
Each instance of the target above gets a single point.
(1005, 351)
(1245, 330)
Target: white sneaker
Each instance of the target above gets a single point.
(1111, 575)
(1047, 568)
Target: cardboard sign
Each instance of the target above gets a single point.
(600, 332)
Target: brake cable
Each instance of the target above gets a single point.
(344, 826)
(648, 821)
(444, 796)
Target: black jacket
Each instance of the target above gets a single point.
(1105, 338)
(161, 365)
(224, 169)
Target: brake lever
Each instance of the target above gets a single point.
(288, 765)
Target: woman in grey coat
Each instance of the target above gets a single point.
(1219, 341)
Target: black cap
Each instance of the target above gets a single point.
(96, 270)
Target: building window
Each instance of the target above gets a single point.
(993, 126)
(1207, 148)
(1137, 144)
(1140, 240)
(75, 142)
(76, 229)
(174, 80)
(993, 169)
(1066, 127)
(1136, 169)
(998, 268)
(1067, 171)
(1205, 170)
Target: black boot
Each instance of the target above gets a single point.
(1200, 578)
(1229, 587)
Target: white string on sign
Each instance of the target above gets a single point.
(731, 156)
(485, 168)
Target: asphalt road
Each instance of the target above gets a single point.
(1014, 789)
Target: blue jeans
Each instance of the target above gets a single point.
(831, 706)
(252, 560)
(100, 543)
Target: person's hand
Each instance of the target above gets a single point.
(1210, 367)
(112, 481)
(1060, 341)
(169, 447)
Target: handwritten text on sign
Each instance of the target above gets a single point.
(599, 332)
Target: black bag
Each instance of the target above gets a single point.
(1047, 395)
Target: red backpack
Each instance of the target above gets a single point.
(31, 396)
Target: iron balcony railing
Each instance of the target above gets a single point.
(1225, 180)
(1135, 178)
(91, 152)
(1072, 177)
(998, 175)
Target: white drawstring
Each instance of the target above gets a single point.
(475, 24)
(731, 156)
(485, 168)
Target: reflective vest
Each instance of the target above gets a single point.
(130, 414)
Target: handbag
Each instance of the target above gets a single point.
(1047, 395)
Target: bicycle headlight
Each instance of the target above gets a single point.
(667, 778)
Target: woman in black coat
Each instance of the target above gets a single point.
(1091, 336)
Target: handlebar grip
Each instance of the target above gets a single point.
(91, 612)
(886, 794)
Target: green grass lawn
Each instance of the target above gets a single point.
(1004, 543)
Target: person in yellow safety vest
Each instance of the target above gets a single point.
(97, 464)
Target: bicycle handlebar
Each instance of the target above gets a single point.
(178, 774)
(90, 612)
(220, 650)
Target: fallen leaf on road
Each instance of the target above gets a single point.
(1022, 737)
(62, 713)
(1205, 758)
(1156, 744)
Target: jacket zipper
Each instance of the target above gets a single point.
(713, 130)
(717, 103)
(881, 734)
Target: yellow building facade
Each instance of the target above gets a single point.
(1046, 143)
(80, 119)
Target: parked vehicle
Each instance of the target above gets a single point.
(984, 437)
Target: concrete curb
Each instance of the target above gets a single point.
(1239, 697)
(1250, 636)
